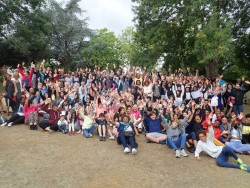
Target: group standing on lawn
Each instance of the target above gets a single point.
(179, 109)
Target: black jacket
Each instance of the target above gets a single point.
(238, 94)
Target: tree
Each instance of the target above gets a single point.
(102, 49)
(177, 29)
(131, 51)
(23, 30)
(68, 32)
(213, 45)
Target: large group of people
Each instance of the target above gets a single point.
(181, 110)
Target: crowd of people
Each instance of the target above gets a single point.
(181, 110)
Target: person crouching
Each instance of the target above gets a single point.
(62, 123)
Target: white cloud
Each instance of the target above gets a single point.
(115, 15)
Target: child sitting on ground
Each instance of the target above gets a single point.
(113, 133)
(88, 125)
(72, 120)
(102, 126)
(62, 123)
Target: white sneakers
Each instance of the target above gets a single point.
(111, 138)
(183, 153)
(178, 153)
(4, 124)
(10, 124)
(134, 151)
(127, 150)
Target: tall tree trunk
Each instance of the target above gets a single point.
(212, 69)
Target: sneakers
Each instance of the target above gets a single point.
(177, 153)
(104, 138)
(190, 149)
(31, 127)
(34, 127)
(183, 153)
(134, 151)
(79, 132)
(243, 167)
(112, 138)
(126, 150)
(4, 124)
(100, 138)
(90, 135)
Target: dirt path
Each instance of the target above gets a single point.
(38, 159)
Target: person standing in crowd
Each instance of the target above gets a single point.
(238, 96)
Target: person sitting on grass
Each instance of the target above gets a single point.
(102, 126)
(126, 134)
(88, 125)
(18, 115)
(154, 128)
(62, 123)
(220, 153)
(176, 136)
(236, 136)
(54, 116)
(30, 112)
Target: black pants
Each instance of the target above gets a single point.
(16, 119)
(246, 139)
(45, 124)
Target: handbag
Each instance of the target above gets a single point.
(128, 133)
(245, 129)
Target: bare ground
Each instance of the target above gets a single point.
(39, 159)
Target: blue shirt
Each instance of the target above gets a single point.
(154, 125)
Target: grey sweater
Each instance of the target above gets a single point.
(175, 132)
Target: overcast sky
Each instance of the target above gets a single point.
(115, 15)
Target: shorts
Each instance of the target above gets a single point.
(156, 134)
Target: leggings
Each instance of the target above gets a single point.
(45, 124)
(72, 127)
(16, 119)
(32, 118)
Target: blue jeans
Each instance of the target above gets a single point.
(125, 140)
(191, 136)
(238, 146)
(180, 143)
(237, 109)
(62, 128)
(86, 132)
(222, 159)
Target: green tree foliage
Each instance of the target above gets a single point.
(31, 30)
(23, 30)
(102, 49)
(192, 33)
(131, 52)
(68, 32)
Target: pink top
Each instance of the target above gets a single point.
(99, 111)
(136, 114)
(28, 110)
